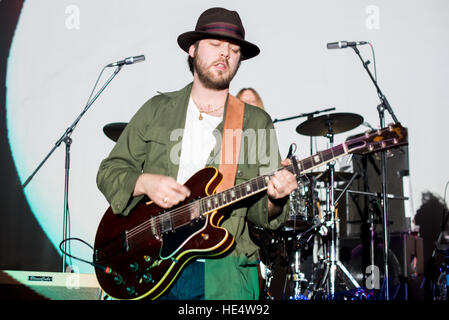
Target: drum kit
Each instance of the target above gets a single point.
(302, 258)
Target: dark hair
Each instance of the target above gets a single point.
(190, 59)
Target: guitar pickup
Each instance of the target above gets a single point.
(165, 223)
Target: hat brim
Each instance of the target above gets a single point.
(248, 49)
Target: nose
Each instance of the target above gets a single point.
(225, 49)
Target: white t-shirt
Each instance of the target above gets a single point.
(197, 143)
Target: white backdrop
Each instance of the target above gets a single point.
(60, 47)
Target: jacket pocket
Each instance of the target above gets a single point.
(245, 173)
(157, 134)
(156, 139)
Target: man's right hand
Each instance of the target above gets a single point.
(162, 190)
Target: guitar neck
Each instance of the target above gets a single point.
(377, 140)
(260, 183)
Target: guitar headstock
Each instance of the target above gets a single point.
(377, 140)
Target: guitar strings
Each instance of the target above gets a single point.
(181, 211)
(185, 209)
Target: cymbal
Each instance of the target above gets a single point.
(114, 130)
(337, 122)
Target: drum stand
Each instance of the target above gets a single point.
(332, 260)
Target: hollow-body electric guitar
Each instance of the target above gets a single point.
(140, 255)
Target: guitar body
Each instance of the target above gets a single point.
(144, 253)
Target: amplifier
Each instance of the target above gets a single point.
(37, 285)
(354, 208)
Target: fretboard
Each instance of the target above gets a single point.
(259, 184)
(199, 208)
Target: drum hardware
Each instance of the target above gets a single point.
(114, 130)
(328, 125)
(339, 122)
(370, 219)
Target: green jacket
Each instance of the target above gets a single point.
(151, 143)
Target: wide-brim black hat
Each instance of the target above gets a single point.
(219, 23)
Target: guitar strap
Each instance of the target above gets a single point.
(231, 141)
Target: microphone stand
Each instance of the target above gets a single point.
(304, 115)
(68, 141)
(309, 115)
(384, 105)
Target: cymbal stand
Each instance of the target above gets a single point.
(333, 261)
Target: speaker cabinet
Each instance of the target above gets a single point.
(355, 209)
(35, 285)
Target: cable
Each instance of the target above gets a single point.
(105, 269)
(374, 60)
(445, 215)
(71, 256)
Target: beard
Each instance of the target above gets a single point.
(210, 80)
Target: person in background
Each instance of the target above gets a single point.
(250, 96)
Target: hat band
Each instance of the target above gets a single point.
(222, 28)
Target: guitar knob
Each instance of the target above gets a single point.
(134, 267)
(147, 278)
(118, 279)
(130, 290)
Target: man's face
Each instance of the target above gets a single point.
(215, 62)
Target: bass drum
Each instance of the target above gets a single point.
(270, 246)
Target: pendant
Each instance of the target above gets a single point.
(201, 116)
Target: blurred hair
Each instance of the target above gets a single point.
(256, 95)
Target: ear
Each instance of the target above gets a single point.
(192, 50)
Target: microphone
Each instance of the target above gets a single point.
(344, 44)
(129, 60)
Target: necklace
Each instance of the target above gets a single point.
(202, 111)
(210, 111)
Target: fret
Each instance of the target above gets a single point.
(201, 206)
(226, 198)
(317, 158)
(326, 156)
(254, 186)
(260, 183)
(332, 152)
(216, 204)
(267, 179)
(307, 163)
(238, 192)
(243, 190)
(209, 204)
